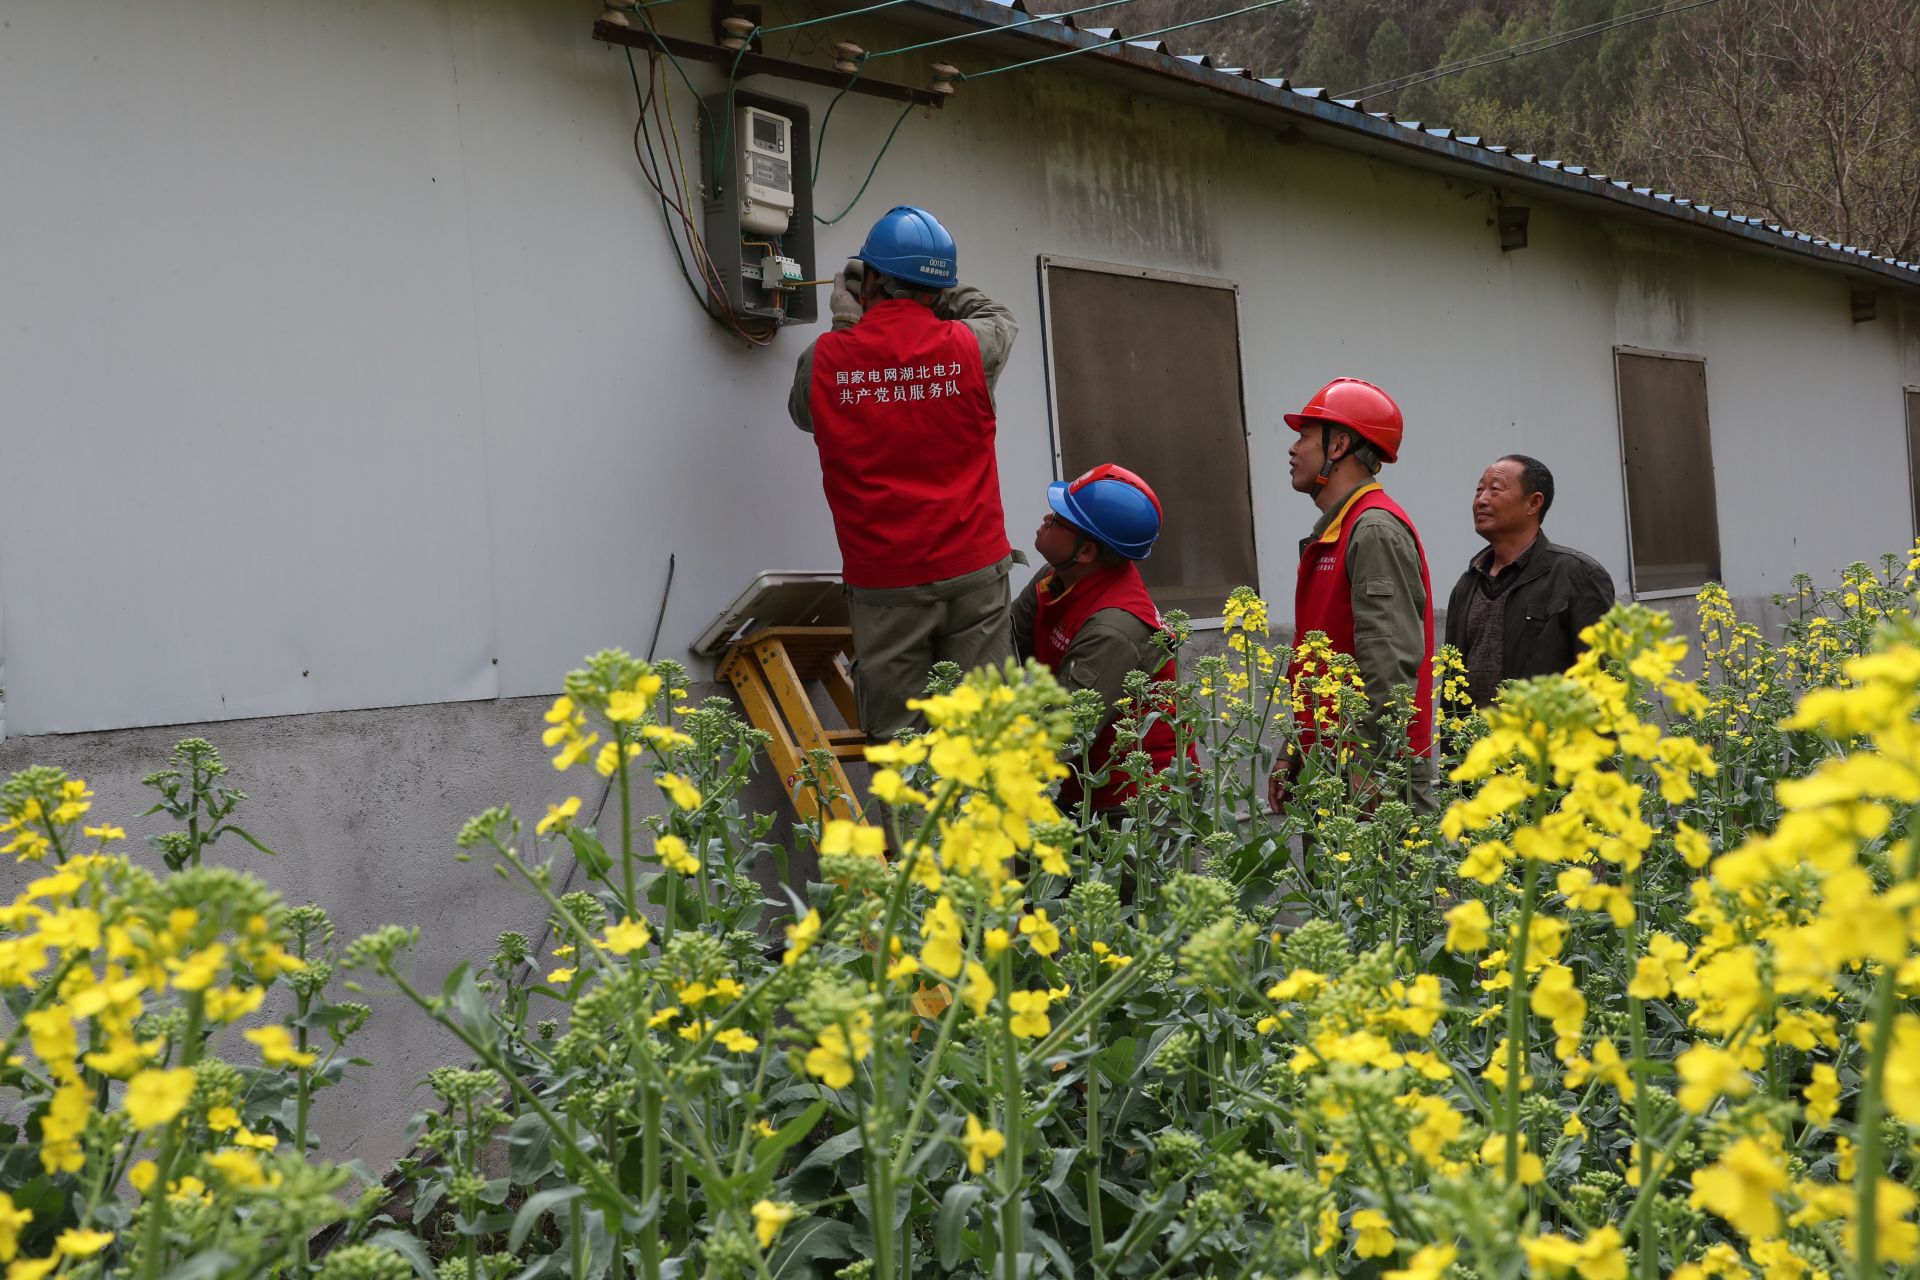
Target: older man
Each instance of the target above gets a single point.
(1520, 607)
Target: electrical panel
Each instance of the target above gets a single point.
(758, 206)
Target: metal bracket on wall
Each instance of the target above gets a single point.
(757, 64)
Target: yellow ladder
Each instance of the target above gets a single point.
(770, 670)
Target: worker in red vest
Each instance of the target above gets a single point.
(1363, 577)
(899, 398)
(1087, 616)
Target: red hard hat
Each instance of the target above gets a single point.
(1349, 402)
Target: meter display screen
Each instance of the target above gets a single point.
(768, 172)
(768, 135)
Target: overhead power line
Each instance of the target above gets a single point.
(1107, 44)
(1538, 45)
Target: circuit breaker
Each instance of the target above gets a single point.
(759, 204)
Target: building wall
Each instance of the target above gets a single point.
(347, 368)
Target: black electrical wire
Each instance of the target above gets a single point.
(667, 206)
(651, 168)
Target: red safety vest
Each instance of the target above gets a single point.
(1056, 623)
(905, 428)
(1323, 601)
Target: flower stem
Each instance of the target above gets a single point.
(1095, 1225)
(1872, 1107)
(153, 1250)
(1012, 1100)
(1517, 1021)
(650, 1121)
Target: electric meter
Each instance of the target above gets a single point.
(758, 206)
(766, 171)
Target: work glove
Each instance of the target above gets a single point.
(844, 302)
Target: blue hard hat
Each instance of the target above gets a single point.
(910, 245)
(1111, 505)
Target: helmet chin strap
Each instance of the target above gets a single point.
(1072, 558)
(1326, 457)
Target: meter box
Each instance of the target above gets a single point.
(759, 204)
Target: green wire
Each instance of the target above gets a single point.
(827, 222)
(726, 128)
(820, 137)
(987, 31)
(684, 78)
(1106, 44)
(829, 17)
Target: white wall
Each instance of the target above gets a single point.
(346, 365)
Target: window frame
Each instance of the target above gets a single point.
(1626, 487)
(1910, 423)
(1049, 366)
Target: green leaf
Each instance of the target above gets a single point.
(467, 1001)
(949, 1225)
(407, 1247)
(204, 1266)
(1052, 1249)
(537, 1204)
(1148, 1223)
(767, 1151)
(793, 1131)
(811, 1240)
(244, 835)
(529, 1149)
(1061, 1190)
(590, 852)
(832, 1151)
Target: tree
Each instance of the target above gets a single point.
(1805, 111)
(1322, 60)
(1389, 54)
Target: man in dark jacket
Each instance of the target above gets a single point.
(1520, 607)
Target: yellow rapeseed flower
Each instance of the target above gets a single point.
(982, 1144)
(734, 1040)
(801, 936)
(277, 1047)
(1740, 1186)
(857, 838)
(679, 790)
(628, 936)
(674, 855)
(1029, 1010)
(1372, 1234)
(155, 1097)
(769, 1217)
(1429, 1262)
(1041, 934)
(11, 1221)
(559, 816)
(77, 1242)
(1467, 927)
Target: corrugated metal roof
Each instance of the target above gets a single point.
(1317, 105)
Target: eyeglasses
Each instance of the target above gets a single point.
(1053, 519)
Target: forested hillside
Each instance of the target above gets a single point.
(1805, 111)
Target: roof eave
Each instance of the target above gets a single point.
(1319, 116)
